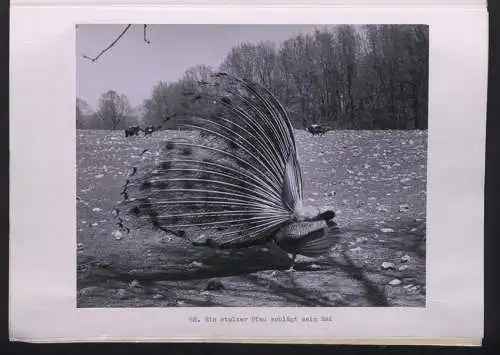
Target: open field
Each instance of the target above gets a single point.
(375, 180)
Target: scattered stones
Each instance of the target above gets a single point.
(96, 209)
(395, 282)
(404, 180)
(404, 208)
(382, 209)
(386, 181)
(87, 290)
(103, 264)
(100, 176)
(327, 208)
(361, 239)
(388, 266)
(134, 283)
(313, 267)
(117, 235)
(214, 285)
(195, 264)
(405, 258)
(121, 294)
(411, 287)
(387, 230)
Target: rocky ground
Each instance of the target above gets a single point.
(374, 180)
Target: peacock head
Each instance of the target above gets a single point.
(310, 213)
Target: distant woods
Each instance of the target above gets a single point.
(113, 112)
(369, 77)
(343, 77)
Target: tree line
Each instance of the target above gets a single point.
(343, 77)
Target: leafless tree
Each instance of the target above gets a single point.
(113, 108)
(83, 113)
(115, 41)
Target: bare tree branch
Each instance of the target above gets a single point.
(110, 46)
(145, 38)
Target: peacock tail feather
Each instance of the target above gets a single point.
(231, 175)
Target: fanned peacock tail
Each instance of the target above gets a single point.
(231, 175)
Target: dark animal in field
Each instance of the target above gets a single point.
(132, 131)
(241, 188)
(168, 117)
(316, 129)
(150, 130)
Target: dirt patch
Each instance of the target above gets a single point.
(375, 180)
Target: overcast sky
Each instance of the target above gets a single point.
(132, 67)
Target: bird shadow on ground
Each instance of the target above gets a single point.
(263, 268)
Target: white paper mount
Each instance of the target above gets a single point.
(43, 180)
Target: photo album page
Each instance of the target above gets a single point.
(253, 171)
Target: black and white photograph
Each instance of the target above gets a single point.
(251, 165)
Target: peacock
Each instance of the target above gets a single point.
(230, 178)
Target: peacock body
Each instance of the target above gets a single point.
(231, 179)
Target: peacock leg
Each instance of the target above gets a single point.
(291, 269)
